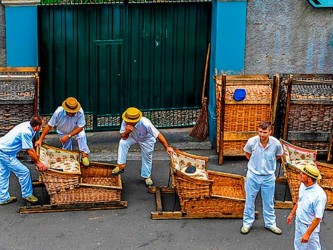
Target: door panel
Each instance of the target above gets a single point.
(113, 56)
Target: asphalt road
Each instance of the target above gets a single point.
(132, 228)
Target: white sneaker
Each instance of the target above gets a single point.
(245, 230)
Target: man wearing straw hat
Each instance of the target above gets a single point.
(18, 138)
(309, 209)
(138, 129)
(262, 151)
(69, 121)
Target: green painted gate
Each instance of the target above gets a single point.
(112, 56)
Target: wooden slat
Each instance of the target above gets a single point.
(312, 82)
(238, 136)
(249, 102)
(20, 69)
(73, 207)
(102, 186)
(249, 82)
(158, 199)
(308, 136)
(166, 215)
(312, 101)
(283, 204)
(164, 190)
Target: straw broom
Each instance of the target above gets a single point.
(200, 129)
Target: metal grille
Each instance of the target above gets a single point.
(160, 119)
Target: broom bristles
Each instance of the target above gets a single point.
(200, 129)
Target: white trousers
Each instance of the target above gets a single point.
(81, 139)
(12, 164)
(147, 152)
(313, 243)
(254, 183)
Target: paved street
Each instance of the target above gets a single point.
(132, 228)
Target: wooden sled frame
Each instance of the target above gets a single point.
(161, 214)
(47, 208)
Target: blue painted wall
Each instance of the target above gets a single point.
(227, 49)
(21, 36)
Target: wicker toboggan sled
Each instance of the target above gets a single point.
(203, 194)
(70, 185)
(294, 157)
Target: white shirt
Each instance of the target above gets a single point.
(142, 131)
(19, 137)
(263, 160)
(65, 123)
(311, 204)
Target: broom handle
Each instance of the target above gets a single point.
(205, 75)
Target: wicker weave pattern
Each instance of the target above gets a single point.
(241, 118)
(89, 185)
(13, 114)
(307, 118)
(227, 185)
(222, 192)
(191, 188)
(296, 156)
(85, 195)
(58, 182)
(309, 109)
(213, 205)
(311, 145)
(99, 185)
(253, 93)
(293, 181)
(18, 96)
(18, 89)
(233, 148)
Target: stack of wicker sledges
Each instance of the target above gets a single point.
(293, 159)
(307, 111)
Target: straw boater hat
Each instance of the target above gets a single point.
(132, 115)
(71, 105)
(310, 170)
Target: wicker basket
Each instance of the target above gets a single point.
(219, 193)
(95, 184)
(68, 183)
(294, 154)
(18, 96)
(307, 110)
(237, 121)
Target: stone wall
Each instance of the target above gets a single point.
(288, 36)
(2, 36)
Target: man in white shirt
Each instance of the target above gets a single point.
(138, 129)
(309, 210)
(69, 121)
(18, 138)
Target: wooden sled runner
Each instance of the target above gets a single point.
(296, 156)
(70, 186)
(202, 194)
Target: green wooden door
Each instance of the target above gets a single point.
(113, 56)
